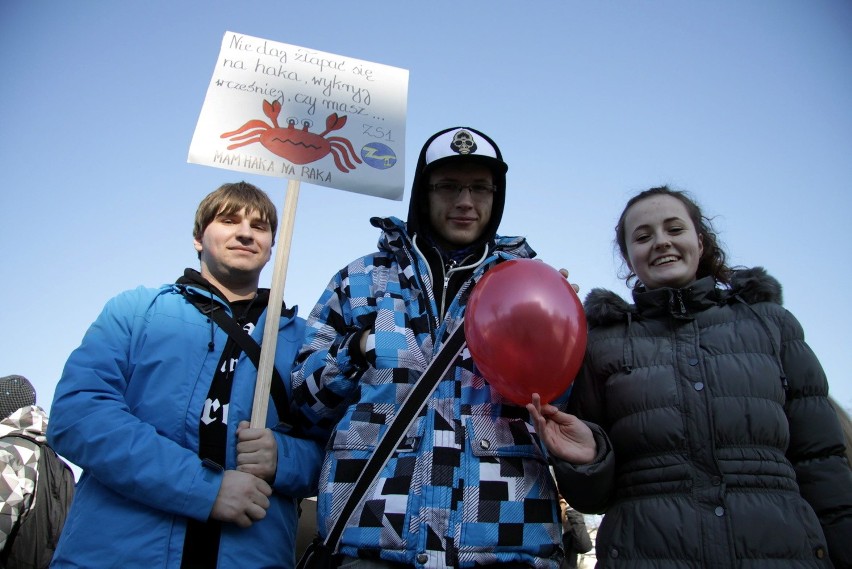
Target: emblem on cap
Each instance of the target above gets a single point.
(463, 143)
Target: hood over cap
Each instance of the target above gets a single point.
(457, 144)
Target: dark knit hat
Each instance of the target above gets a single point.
(15, 392)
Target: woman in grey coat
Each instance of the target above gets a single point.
(705, 432)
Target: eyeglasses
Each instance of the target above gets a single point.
(451, 190)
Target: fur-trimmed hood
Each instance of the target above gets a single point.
(751, 286)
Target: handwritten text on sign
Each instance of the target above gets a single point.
(281, 110)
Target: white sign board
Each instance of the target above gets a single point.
(287, 111)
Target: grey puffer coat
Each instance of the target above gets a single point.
(717, 445)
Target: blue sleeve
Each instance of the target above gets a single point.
(299, 459)
(299, 462)
(93, 425)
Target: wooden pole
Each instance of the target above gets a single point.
(273, 311)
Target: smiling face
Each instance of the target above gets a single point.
(663, 245)
(233, 250)
(459, 220)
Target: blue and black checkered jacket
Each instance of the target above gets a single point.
(470, 484)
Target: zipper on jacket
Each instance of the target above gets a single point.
(448, 269)
(681, 306)
(414, 255)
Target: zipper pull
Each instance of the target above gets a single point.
(451, 264)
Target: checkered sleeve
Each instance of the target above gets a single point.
(326, 373)
(17, 486)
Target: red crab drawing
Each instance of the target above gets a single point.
(297, 146)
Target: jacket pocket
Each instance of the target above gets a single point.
(393, 498)
(510, 496)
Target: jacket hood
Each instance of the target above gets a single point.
(456, 144)
(191, 277)
(752, 286)
(30, 421)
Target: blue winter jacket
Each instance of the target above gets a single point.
(470, 483)
(127, 412)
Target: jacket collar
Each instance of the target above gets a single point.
(750, 286)
(680, 303)
(395, 236)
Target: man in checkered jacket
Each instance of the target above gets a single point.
(470, 484)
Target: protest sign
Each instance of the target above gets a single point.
(281, 110)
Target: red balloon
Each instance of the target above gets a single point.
(526, 330)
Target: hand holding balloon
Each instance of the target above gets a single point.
(526, 330)
(565, 436)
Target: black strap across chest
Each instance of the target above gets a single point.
(411, 408)
(217, 314)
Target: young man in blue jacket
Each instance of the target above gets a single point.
(470, 484)
(154, 407)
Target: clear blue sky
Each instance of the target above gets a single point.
(748, 105)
